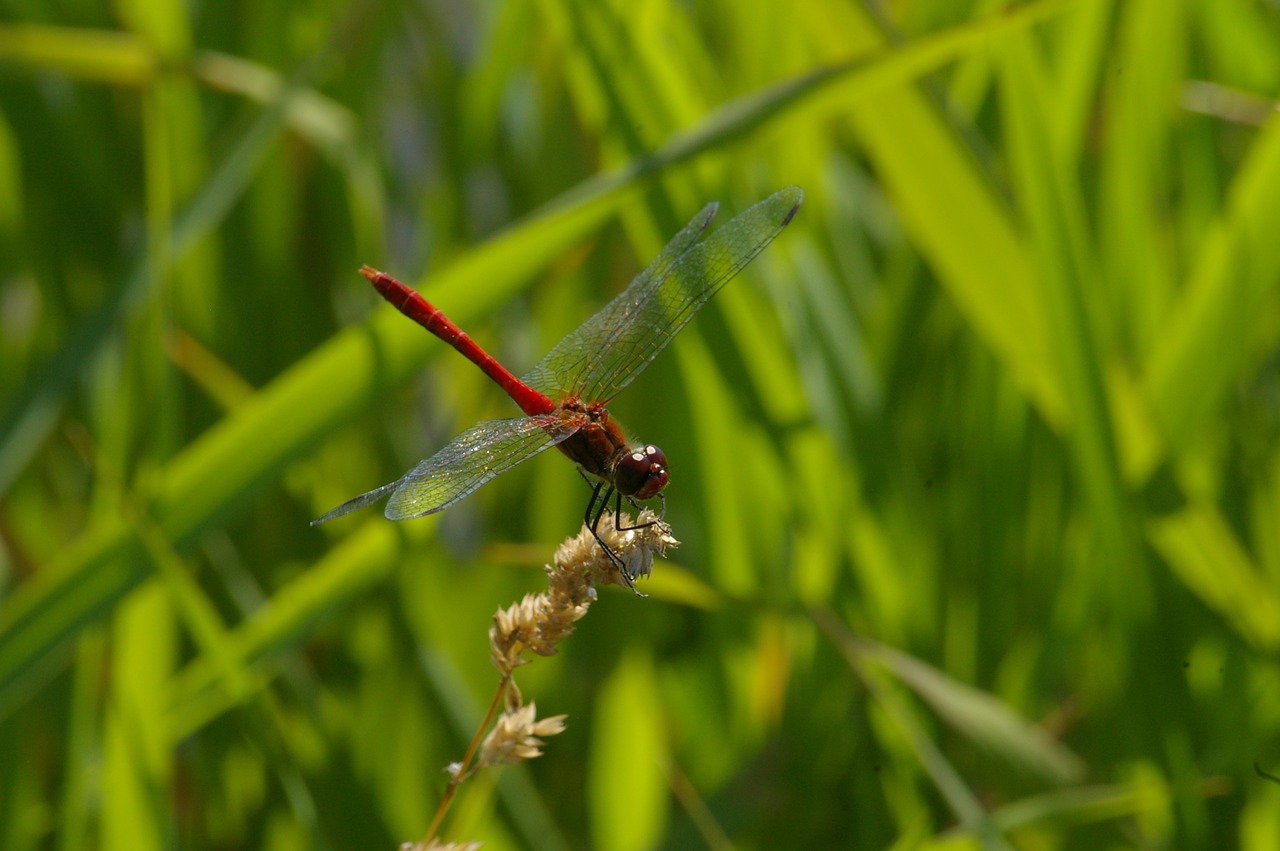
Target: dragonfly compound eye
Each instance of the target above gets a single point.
(641, 473)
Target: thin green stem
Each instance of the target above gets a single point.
(461, 774)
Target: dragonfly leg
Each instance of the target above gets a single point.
(617, 516)
(596, 508)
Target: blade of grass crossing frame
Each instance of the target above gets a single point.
(1233, 282)
(965, 230)
(136, 753)
(1054, 212)
(621, 747)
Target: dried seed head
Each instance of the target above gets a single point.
(635, 544)
(517, 736)
(437, 845)
(539, 622)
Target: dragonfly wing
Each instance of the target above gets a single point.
(356, 503)
(472, 458)
(562, 367)
(611, 348)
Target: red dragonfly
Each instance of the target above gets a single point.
(564, 396)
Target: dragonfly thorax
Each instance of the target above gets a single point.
(641, 472)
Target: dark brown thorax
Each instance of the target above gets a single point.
(600, 448)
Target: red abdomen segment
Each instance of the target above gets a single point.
(430, 317)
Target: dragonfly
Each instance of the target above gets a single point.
(564, 397)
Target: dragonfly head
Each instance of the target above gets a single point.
(641, 472)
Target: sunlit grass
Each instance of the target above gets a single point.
(975, 467)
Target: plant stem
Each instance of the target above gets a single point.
(461, 773)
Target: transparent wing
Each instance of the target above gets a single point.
(472, 458)
(562, 366)
(611, 348)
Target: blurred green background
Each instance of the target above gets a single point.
(976, 467)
